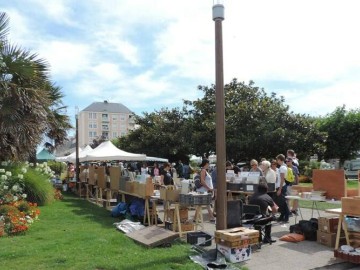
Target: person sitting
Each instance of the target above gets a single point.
(262, 199)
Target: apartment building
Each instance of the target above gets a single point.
(110, 120)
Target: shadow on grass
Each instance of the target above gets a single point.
(91, 211)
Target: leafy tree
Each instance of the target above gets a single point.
(343, 129)
(257, 125)
(165, 133)
(29, 102)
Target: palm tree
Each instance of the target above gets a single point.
(29, 102)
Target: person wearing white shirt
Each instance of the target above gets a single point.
(282, 189)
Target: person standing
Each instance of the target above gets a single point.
(268, 173)
(166, 178)
(206, 184)
(281, 188)
(230, 166)
(255, 167)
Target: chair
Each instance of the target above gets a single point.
(234, 213)
(252, 216)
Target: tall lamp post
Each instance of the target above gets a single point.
(77, 163)
(221, 205)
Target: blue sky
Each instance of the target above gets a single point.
(153, 54)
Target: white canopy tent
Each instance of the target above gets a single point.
(108, 151)
(157, 159)
(68, 157)
(82, 154)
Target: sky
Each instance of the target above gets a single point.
(153, 54)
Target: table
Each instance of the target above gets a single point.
(314, 205)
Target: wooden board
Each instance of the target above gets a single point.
(331, 181)
(115, 174)
(153, 236)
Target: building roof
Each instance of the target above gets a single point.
(44, 155)
(106, 106)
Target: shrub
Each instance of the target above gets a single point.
(57, 167)
(38, 187)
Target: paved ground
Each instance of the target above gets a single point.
(285, 255)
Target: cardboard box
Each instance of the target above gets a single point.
(328, 224)
(170, 194)
(235, 255)
(101, 179)
(130, 186)
(115, 173)
(91, 175)
(144, 189)
(236, 234)
(184, 214)
(350, 205)
(328, 239)
(185, 227)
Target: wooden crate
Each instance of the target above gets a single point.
(236, 234)
(350, 206)
(183, 213)
(169, 194)
(237, 244)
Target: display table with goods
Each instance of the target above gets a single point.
(177, 203)
(350, 208)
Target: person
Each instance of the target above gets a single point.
(166, 178)
(293, 173)
(262, 199)
(180, 169)
(255, 167)
(155, 171)
(186, 171)
(291, 154)
(230, 166)
(206, 184)
(268, 173)
(281, 189)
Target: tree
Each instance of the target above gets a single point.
(343, 129)
(28, 101)
(257, 125)
(163, 133)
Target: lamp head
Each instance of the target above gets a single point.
(218, 10)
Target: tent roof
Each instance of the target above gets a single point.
(70, 157)
(45, 155)
(108, 151)
(157, 159)
(82, 154)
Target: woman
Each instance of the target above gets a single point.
(268, 173)
(166, 178)
(206, 184)
(254, 167)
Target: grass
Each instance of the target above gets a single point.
(76, 234)
(350, 184)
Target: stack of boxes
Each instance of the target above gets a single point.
(185, 224)
(235, 244)
(327, 229)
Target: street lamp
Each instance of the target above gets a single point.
(221, 204)
(77, 163)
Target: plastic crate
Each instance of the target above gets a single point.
(186, 199)
(199, 238)
(202, 199)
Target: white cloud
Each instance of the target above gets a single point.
(151, 53)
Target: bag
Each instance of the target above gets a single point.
(309, 228)
(197, 181)
(290, 177)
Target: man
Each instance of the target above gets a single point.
(262, 199)
(281, 188)
(293, 171)
(230, 166)
(180, 169)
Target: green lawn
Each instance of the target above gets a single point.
(76, 234)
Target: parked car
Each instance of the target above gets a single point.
(351, 168)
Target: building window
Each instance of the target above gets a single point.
(115, 134)
(92, 125)
(105, 117)
(114, 117)
(92, 115)
(123, 133)
(122, 117)
(92, 134)
(114, 126)
(105, 127)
